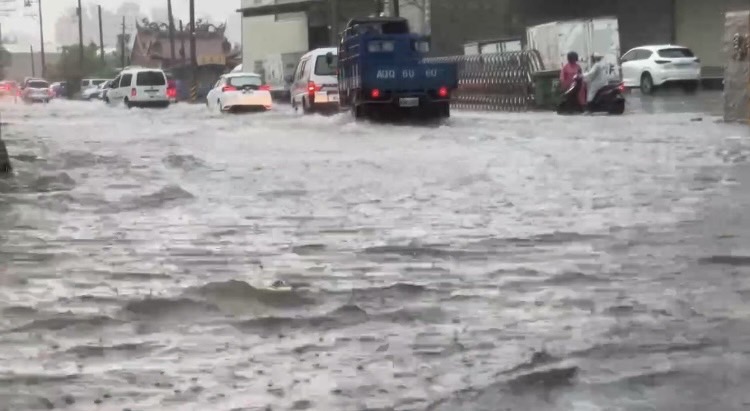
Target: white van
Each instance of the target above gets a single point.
(314, 86)
(139, 87)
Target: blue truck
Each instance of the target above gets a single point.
(381, 72)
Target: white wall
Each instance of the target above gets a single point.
(262, 36)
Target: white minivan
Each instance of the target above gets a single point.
(139, 87)
(314, 86)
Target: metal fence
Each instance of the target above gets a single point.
(497, 82)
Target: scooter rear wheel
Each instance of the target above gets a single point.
(617, 107)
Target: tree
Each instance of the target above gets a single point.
(70, 69)
(5, 61)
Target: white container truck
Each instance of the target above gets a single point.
(584, 36)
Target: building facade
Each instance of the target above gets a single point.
(288, 27)
(697, 24)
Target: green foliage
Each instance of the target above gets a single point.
(5, 61)
(70, 68)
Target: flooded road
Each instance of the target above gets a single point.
(184, 260)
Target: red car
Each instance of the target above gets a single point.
(8, 88)
(172, 90)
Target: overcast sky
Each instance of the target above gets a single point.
(218, 11)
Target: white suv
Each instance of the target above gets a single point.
(139, 87)
(649, 67)
(315, 86)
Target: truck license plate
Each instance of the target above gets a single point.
(408, 101)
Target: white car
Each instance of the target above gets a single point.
(314, 84)
(649, 67)
(95, 92)
(239, 91)
(139, 87)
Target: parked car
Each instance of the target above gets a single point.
(36, 90)
(650, 67)
(172, 90)
(314, 86)
(139, 87)
(104, 89)
(94, 92)
(91, 82)
(8, 88)
(239, 91)
(60, 89)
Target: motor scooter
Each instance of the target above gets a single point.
(609, 99)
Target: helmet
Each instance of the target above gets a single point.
(572, 57)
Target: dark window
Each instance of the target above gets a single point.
(150, 78)
(676, 53)
(326, 65)
(643, 54)
(38, 84)
(241, 81)
(629, 56)
(126, 80)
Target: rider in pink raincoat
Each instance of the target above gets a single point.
(568, 74)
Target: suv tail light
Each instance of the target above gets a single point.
(229, 88)
(312, 87)
(133, 92)
(265, 87)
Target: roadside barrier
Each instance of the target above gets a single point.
(495, 82)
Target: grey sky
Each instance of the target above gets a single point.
(218, 11)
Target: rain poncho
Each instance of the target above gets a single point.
(596, 78)
(567, 74)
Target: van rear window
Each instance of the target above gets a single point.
(325, 68)
(150, 78)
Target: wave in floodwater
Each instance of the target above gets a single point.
(518, 261)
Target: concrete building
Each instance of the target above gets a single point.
(286, 27)
(697, 24)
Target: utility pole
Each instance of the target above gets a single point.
(171, 33)
(41, 39)
(80, 35)
(122, 44)
(193, 57)
(33, 66)
(182, 44)
(101, 36)
(334, 22)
